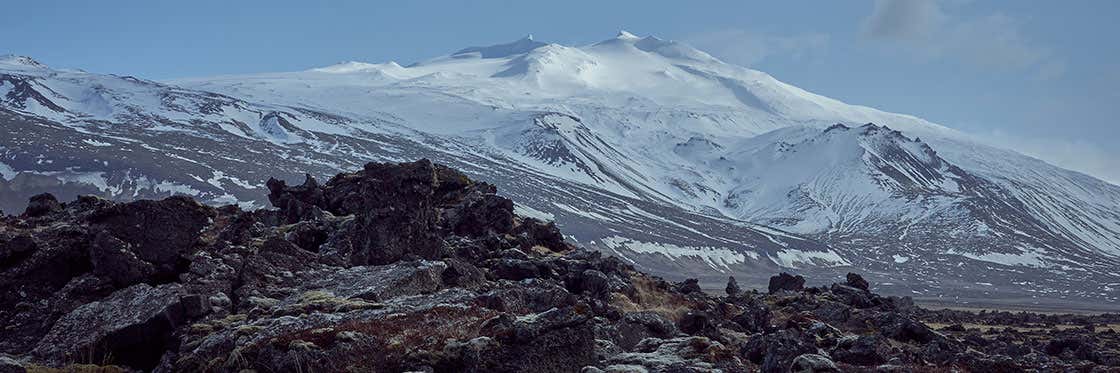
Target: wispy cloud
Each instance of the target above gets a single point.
(903, 19)
(748, 48)
(931, 29)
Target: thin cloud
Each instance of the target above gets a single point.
(749, 48)
(903, 19)
(928, 29)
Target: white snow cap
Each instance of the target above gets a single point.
(11, 59)
(623, 34)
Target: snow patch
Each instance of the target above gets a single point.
(1027, 257)
(718, 258)
(7, 172)
(790, 258)
(93, 142)
(175, 188)
(527, 211)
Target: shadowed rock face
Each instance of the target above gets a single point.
(786, 282)
(416, 267)
(402, 210)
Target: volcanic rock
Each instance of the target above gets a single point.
(787, 282)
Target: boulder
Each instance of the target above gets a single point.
(786, 282)
(857, 281)
(852, 296)
(159, 233)
(775, 351)
(813, 363)
(41, 204)
(15, 247)
(754, 318)
(133, 326)
(402, 210)
(862, 350)
(689, 286)
(637, 326)
(904, 329)
(298, 202)
(589, 281)
(117, 261)
(833, 312)
(552, 341)
(732, 288)
(696, 323)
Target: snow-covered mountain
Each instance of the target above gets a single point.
(643, 147)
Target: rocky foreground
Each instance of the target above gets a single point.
(414, 267)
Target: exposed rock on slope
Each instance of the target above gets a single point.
(416, 267)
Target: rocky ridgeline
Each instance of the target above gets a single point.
(415, 267)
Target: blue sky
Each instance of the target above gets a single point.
(1040, 77)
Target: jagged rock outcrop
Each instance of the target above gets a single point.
(732, 288)
(415, 267)
(786, 282)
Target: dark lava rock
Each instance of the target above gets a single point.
(1078, 347)
(15, 248)
(787, 282)
(132, 326)
(754, 318)
(863, 350)
(589, 281)
(637, 326)
(42, 204)
(903, 329)
(515, 269)
(696, 323)
(857, 281)
(775, 352)
(833, 312)
(732, 288)
(403, 210)
(556, 340)
(689, 286)
(853, 296)
(813, 363)
(129, 229)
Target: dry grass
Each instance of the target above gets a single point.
(649, 298)
(544, 251)
(428, 329)
(322, 301)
